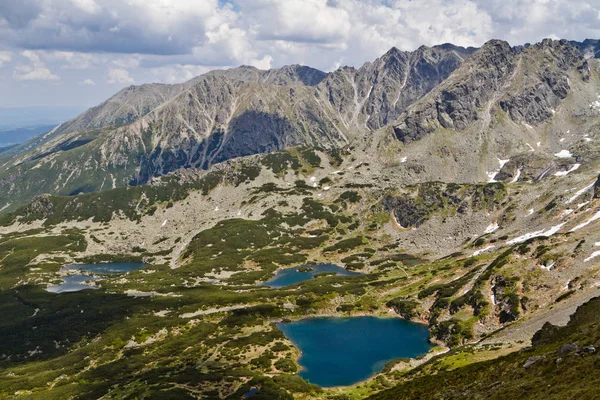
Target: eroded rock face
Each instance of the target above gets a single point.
(546, 81)
(151, 130)
(455, 103)
(527, 83)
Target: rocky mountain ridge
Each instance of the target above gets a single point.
(151, 130)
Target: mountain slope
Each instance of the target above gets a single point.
(219, 116)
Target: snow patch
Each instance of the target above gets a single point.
(586, 223)
(566, 212)
(491, 227)
(492, 175)
(164, 223)
(517, 176)
(580, 192)
(478, 252)
(530, 147)
(549, 232)
(563, 154)
(580, 205)
(547, 267)
(403, 159)
(575, 167)
(592, 256)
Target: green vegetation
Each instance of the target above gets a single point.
(557, 366)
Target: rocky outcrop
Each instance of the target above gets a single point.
(528, 83)
(288, 75)
(544, 82)
(455, 103)
(376, 94)
(589, 47)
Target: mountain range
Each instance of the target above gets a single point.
(459, 185)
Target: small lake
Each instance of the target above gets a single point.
(345, 351)
(289, 276)
(74, 282)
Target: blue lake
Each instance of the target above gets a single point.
(74, 282)
(106, 268)
(289, 276)
(345, 351)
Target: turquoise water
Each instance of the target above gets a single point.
(289, 276)
(76, 282)
(72, 283)
(344, 351)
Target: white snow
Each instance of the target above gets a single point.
(539, 144)
(491, 227)
(478, 252)
(530, 211)
(580, 192)
(492, 175)
(593, 255)
(37, 310)
(575, 167)
(337, 172)
(586, 223)
(164, 222)
(312, 179)
(580, 205)
(327, 188)
(587, 139)
(217, 208)
(530, 147)
(517, 176)
(562, 140)
(403, 159)
(547, 267)
(542, 232)
(566, 212)
(563, 154)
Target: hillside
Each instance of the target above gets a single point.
(461, 185)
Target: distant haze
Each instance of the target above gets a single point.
(19, 117)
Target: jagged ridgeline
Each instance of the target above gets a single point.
(151, 130)
(147, 131)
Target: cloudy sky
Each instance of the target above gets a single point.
(79, 52)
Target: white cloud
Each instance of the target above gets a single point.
(5, 57)
(174, 40)
(89, 6)
(35, 70)
(298, 20)
(264, 63)
(177, 73)
(119, 75)
(88, 82)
